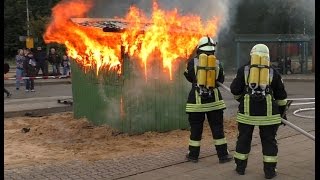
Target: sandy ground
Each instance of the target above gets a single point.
(60, 138)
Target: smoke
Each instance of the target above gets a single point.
(276, 17)
(206, 9)
(303, 11)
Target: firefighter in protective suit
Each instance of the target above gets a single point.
(262, 96)
(205, 99)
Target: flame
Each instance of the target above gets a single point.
(172, 35)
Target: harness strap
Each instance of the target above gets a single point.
(246, 74)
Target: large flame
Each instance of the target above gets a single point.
(171, 34)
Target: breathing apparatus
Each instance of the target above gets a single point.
(207, 68)
(259, 77)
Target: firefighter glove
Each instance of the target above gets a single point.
(282, 113)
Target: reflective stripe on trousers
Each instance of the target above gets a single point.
(221, 141)
(241, 156)
(194, 143)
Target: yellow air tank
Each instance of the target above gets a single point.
(253, 80)
(264, 73)
(202, 75)
(211, 73)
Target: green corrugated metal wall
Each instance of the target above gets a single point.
(129, 103)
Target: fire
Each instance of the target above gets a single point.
(171, 34)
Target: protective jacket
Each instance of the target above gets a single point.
(259, 110)
(196, 103)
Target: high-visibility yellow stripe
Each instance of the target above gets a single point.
(281, 102)
(205, 107)
(240, 156)
(198, 98)
(221, 141)
(259, 120)
(246, 104)
(216, 95)
(194, 143)
(200, 106)
(269, 105)
(271, 159)
(221, 102)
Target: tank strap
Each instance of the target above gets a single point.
(259, 66)
(217, 69)
(270, 75)
(246, 74)
(195, 63)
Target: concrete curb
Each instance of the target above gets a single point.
(40, 83)
(41, 106)
(38, 112)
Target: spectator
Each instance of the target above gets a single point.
(6, 70)
(30, 66)
(20, 58)
(25, 52)
(288, 65)
(41, 58)
(55, 61)
(66, 65)
(281, 66)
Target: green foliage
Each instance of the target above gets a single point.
(15, 22)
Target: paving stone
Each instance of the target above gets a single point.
(178, 168)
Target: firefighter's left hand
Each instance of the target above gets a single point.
(285, 118)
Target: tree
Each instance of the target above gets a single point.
(15, 22)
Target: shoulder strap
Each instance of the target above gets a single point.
(270, 75)
(246, 74)
(195, 65)
(217, 68)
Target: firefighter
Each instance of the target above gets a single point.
(262, 96)
(205, 99)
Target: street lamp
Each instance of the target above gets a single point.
(29, 39)
(28, 19)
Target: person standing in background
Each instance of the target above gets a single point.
(20, 58)
(30, 66)
(66, 65)
(55, 61)
(41, 58)
(288, 66)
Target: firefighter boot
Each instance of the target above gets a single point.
(241, 165)
(193, 154)
(269, 170)
(223, 154)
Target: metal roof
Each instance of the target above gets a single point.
(120, 25)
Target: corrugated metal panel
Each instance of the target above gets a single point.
(130, 103)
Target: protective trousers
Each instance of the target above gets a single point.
(269, 146)
(215, 119)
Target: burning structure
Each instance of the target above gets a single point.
(128, 72)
